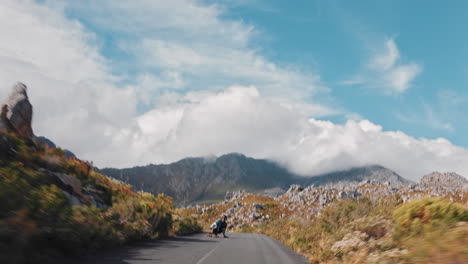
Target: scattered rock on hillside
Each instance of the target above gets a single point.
(16, 113)
(255, 216)
(233, 195)
(71, 182)
(299, 202)
(258, 206)
(374, 174)
(75, 191)
(351, 241)
(294, 189)
(448, 180)
(273, 192)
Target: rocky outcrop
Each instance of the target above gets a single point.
(449, 180)
(294, 189)
(16, 118)
(77, 192)
(233, 195)
(16, 113)
(374, 174)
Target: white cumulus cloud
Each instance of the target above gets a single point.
(240, 119)
(79, 103)
(70, 87)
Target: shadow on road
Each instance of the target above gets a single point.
(135, 252)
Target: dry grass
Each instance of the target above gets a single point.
(37, 221)
(381, 242)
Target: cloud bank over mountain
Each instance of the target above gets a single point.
(240, 119)
(84, 104)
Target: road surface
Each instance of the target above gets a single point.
(199, 249)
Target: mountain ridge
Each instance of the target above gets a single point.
(195, 179)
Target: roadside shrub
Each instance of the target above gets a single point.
(186, 225)
(437, 246)
(37, 221)
(48, 204)
(424, 215)
(434, 230)
(11, 148)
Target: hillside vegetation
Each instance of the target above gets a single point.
(368, 225)
(53, 206)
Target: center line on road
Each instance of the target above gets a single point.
(209, 253)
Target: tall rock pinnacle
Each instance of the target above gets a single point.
(16, 112)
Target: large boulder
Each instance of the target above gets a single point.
(16, 113)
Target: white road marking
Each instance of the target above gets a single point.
(209, 253)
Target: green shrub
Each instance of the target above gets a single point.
(37, 221)
(48, 205)
(187, 225)
(424, 215)
(11, 148)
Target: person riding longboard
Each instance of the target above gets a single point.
(219, 227)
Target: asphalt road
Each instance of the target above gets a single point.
(199, 249)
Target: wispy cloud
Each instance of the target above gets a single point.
(451, 98)
(386, 71)
(443, 114)
(427, 117)
(194, 42)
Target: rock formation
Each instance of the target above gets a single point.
(445, 180)
(244, 209)
(16, 113)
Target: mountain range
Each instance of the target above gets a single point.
(207, 179)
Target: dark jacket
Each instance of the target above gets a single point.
(220, 226)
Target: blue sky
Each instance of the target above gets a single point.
(337, 39)
(316, 85)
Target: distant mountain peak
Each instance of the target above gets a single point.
(201, 178)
